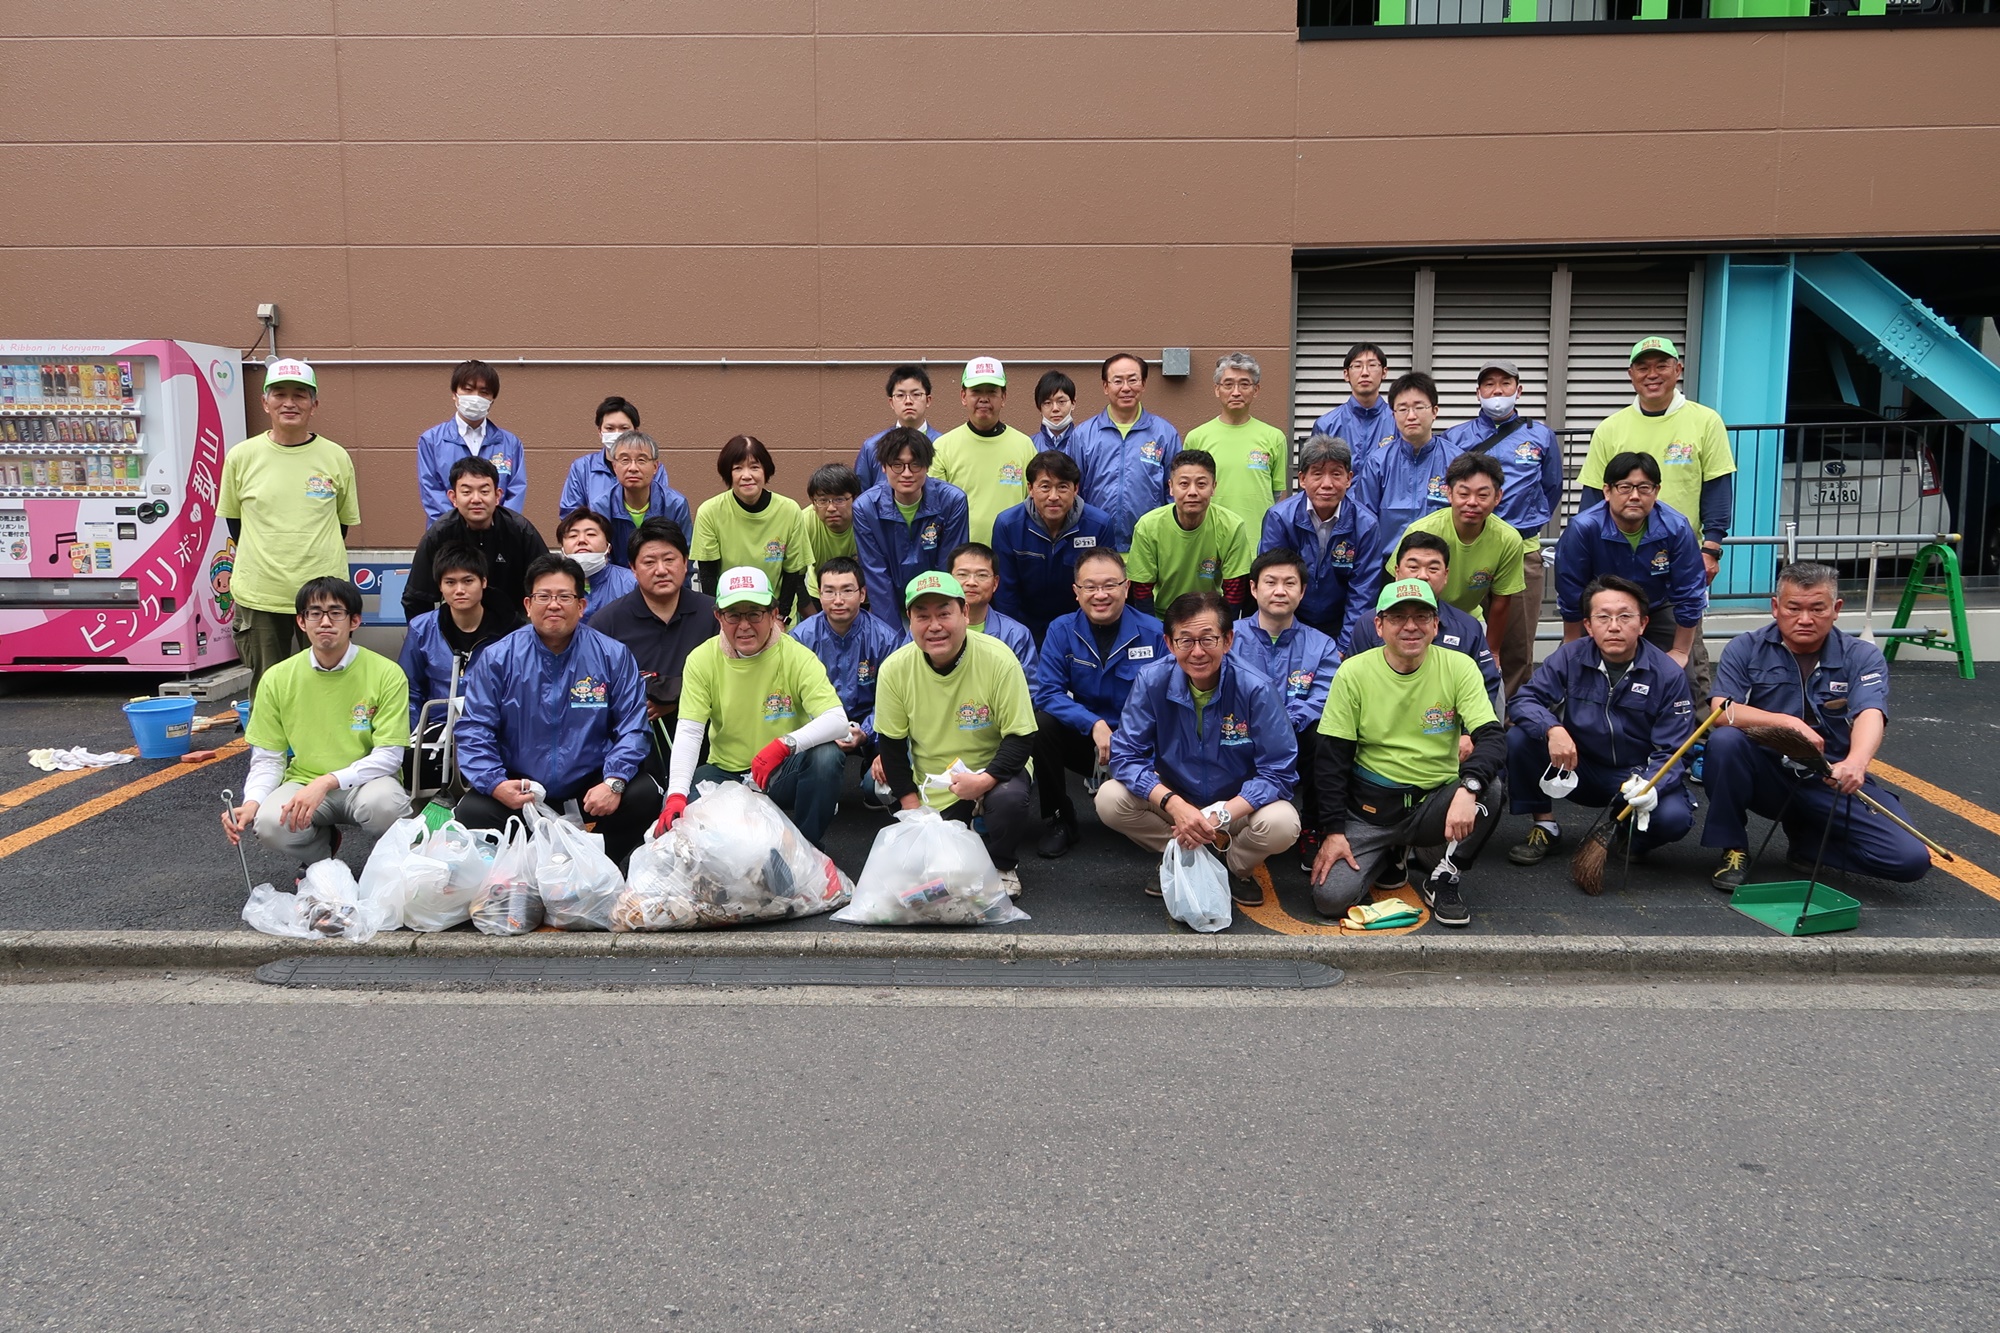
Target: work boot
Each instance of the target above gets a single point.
(1729, 873)
(1060, 837)
(1536, 849)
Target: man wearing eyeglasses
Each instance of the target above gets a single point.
(1090, 657)
(1635, 537)
(1597, 717)
(906, 524)
(767, 708)
(559, 706)
(343, 713)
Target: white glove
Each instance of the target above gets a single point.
(1643, 802)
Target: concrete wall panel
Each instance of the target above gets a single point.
(165, 194)
(1831, 83)
(1862, 182)
(199, 293)
(449, 18)
(1059, 17)
(167, 18)
(272, 89)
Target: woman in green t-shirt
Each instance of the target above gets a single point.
(749, 524)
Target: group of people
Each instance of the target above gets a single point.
(975, 616)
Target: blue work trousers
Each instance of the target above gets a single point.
(1596, 785)
(1742, 776)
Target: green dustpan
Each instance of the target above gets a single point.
(1797, 907)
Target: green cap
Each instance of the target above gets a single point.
(1645, 345)
(932, 583)
(1406, 590)
(745, 583)
(289, 371)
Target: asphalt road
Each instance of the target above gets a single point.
(158, 860)
(199, 1154)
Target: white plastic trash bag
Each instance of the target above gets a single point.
(442, 882)
(1196, 887)
(733, 857)
(926, 870)
(327, 906)
(384, 878)
(579, 884)
(508, 902)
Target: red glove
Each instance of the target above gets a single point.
(675, 807)
(767, 761)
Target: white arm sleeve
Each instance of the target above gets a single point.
(384, 761)
(267, 770)
(687, 752)
(828, 726)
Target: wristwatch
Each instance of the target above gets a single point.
(1473, 785)
(617, 785)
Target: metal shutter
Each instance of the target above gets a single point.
(1341, 307)
(1485, 311)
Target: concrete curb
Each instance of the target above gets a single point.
(1775, 955)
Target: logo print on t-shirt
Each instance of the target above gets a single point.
(777, 706)
(1438, 719)
(1259, 460)
(1481, 578)
(1435, 490)
(364, 717)
(1208, 569)
(1680, 451)
(1234, 732)
(773, 552)
(319, 487)
(1010, 474)
(974, 716)
(588, 692)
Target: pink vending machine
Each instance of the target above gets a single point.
(110, 466)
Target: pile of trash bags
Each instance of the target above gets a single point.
(732, 857)
(926, 870)
(329, 905)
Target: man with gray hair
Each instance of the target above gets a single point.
(1801, 674)
(1330, 533)
(1249, 454)
(631, 489)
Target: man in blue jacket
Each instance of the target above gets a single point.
(1126, 452)
(910, 407)
(1635, 537)
(1275, 646)
(1531, 467)
(1089, 659)
(1364, 420)
(557, 705)
(906, 524)
(1329, 531)
(468, 434)
(1204, 752)
(1401, 481)
(851, 645)
(457, 632)
(1038, 542)
(1607, 710)
(627, 485)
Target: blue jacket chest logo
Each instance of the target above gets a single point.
(589, 692)
(1234, 732)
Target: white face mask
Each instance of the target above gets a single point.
(474, 408)
(593, 562)
(1500, 406)
(1055, 426)
(609, 437)
(1558, 783)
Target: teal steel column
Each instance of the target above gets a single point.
(1746, 342)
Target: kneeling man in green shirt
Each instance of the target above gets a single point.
(344, 714)
(1387, 763)
(955, 705)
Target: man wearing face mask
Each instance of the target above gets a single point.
(584, 537)
(1597, 718)
(468, 434)
(1532, 479)
(597, 481)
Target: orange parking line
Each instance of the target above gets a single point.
(1271, 915)
(21, 795)
(1939, 797)
(110, 800)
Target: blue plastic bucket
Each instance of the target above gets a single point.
(243, 715)
(164, 728)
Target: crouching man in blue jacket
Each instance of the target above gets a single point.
(560, 705)
(1204, 753)
(1596, 719)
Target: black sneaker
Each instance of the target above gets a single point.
(1061, 836)
(1729, 873)
(1308, 850)
(1394, 872)
(1246, 891)
(1536, 849)
(1441, 896)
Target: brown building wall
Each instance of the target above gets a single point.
(874, 179)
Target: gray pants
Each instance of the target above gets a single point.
(1421, 830)
(372, 806)
(1660, 631)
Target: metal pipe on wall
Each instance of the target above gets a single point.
(712, 363)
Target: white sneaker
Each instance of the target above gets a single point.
(1010, 880)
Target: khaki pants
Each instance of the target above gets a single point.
(1516, 653)
(373, 807)
(264, 639)
(1268, 831)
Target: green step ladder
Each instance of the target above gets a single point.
(1959, 642)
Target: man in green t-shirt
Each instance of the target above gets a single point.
(1249, 454)
(985, 458)
(767, 708)
(953, 713)
(1387, 765)
(289, 498)
(1485, 569)
(1192, 544)
(343, 713)
(826, 525)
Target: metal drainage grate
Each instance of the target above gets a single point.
(588, 973)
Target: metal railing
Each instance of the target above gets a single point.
(1347, 18)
